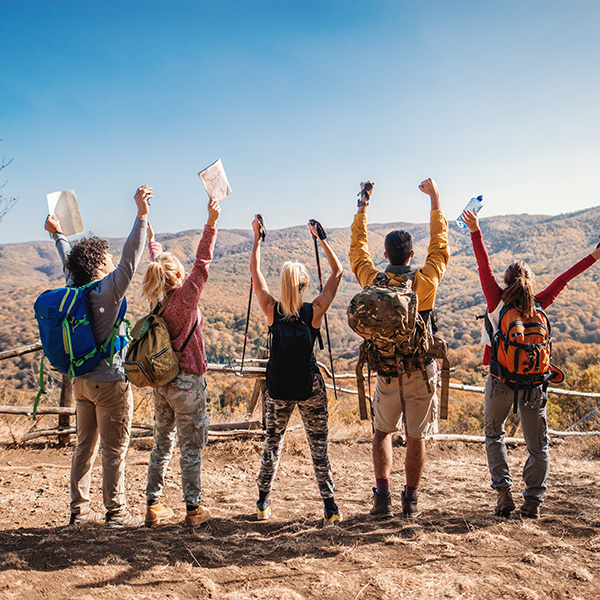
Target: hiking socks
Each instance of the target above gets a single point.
(411, 492)
(263, 497)
(330, 506)
(383, 487)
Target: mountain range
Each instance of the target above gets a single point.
(550, 244)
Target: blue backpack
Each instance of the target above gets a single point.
(66, 332)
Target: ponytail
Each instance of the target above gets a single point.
(161, 277)
(520, 288)
(294, 279)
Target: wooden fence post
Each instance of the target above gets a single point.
(66, 399)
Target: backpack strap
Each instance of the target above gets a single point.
(306, 315)
(187, 339)
(360, 381)
(160, 308)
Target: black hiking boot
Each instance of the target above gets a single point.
(505, 503)
(382, 506)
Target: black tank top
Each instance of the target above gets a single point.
(292, 362)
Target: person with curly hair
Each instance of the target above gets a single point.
(104, 402)
(85, 259)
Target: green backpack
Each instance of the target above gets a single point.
(396, 338)
(151, 359)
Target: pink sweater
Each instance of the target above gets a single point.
(493, 292)
(182, 310)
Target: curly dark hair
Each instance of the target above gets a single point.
(85, 258)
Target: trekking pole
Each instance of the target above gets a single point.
(322, 235)
(263, 235)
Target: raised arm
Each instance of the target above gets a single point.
(430, 274)
(194, 284)
(266, 300)
(491, 290)
(154, 247)
(361, 262)
(549, 295)
(53, 227)
(323, 301)
(118, 281)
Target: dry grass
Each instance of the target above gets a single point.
(456, 550)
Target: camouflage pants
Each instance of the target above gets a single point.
(180, 405)
(314, 415)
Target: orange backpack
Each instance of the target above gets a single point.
(521, 350)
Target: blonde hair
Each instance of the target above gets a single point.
(294, 279)
(161, 277)
(520, 288)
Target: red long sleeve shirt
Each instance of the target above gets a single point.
(493, 292)
(182, 310)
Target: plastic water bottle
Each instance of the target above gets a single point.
(474, 206)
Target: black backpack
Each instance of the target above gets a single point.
(292, 364)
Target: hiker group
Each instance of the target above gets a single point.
(84, 333)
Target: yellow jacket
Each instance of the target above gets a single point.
(427, 278)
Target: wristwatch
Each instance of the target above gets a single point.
(363, 194)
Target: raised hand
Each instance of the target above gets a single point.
(52, 224)
(214, 210)
(429, 187)
(142, 197)
(470, 219)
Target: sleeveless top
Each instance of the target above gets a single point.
(292, 363)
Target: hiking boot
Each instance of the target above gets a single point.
(196, 517)
(530, 509)
(263, 511)
(156, 513)
(410, 507)
(123, 518)
(382, 506)
(89, 516)
(332, 518)
(505, 503)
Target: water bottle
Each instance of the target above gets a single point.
(473, 206)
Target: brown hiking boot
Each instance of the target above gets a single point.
(410, 507)
(530, 509)
(505, 503)
(197, 516)
(382, 506)
(88, 516)
(156, 513)
(123, 518)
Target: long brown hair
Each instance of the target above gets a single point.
(520, 287)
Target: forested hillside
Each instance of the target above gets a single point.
(549, 244)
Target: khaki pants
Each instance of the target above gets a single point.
(104, 410)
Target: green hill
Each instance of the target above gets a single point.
(549, 243)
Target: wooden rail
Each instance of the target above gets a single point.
(257, 371)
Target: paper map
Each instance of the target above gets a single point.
(64, 206)
(215, 181)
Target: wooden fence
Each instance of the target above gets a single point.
(256, 370)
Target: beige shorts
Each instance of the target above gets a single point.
(421, 405)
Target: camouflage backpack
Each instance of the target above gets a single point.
(396, 338)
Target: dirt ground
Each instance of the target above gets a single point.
(457, 549)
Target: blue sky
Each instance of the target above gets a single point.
(301, 100)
